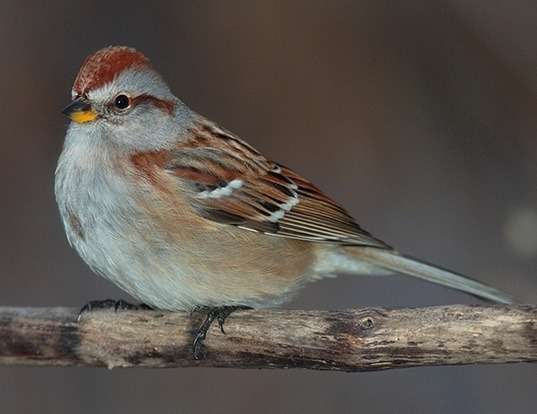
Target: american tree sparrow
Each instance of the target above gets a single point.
(182, 214)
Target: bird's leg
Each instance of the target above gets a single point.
(117, 305)
(219, 314)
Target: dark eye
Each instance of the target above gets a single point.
(122, 102)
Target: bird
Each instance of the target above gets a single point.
(184, 215)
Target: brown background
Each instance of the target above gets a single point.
(418, 116)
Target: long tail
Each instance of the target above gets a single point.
(391, 260)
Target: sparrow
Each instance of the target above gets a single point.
(183, 215)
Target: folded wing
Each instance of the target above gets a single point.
(229, 182)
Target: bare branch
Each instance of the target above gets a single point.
(353, 340)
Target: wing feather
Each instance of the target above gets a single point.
(229, 182)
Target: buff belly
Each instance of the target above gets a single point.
(205, 271)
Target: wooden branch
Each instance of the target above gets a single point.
(354, 340)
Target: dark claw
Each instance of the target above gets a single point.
(197, 345)
(221, 324)
(95, 304)
(124, 305)
(201, 334)
(218, 313)
(109, 304)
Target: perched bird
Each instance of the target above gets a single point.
(184, 215)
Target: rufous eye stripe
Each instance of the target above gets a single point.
(166, 106)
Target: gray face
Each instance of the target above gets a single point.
(141, 125)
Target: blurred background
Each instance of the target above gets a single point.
(418, 116)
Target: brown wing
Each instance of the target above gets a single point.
(228, 181)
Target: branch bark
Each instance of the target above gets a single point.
(353, 340)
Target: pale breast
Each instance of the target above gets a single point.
(136, 230)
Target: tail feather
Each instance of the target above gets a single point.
(391, 260)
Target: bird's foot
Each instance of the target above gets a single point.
(219, 314)
(117, 305)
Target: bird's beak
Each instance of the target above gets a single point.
(80, 111)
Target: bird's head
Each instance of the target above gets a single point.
(118, 96)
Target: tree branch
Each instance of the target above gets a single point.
(354, 340)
